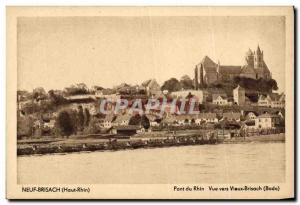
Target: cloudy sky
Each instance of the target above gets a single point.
(55, 52)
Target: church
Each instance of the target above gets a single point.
(207, 71)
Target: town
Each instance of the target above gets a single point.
(229, 102)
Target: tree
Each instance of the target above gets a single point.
(145, 122)
(272, 84)
(45, 106)
(193, 121)
(30, 108)
(96, 88)
(24, 126)
(87, 117)
(74, 119)
(186, 82)
(135, 120)
(171, 85)
(93, 127)
(80, 115)
(39, 93)
(78, 89)
(65, 123)
(261, 85)
(56, 99)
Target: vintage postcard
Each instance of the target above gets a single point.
(150, 103)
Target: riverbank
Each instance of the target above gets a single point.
(257, 138)
(88, 144)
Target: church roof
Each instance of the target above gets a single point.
(224, 69)
(267, 115)
(264, 69)
(276, 97)
(208, 65)
(247, 69)
(273, 97)
(207, 62)
(146, 83)
(216, 95)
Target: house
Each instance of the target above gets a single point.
(80, 98)
(107, 94)
(280, 114)
(152, 87)
(273, 100)
(23, 104)
(170, 120)
(162, 108)
(153, 119)
(220, 99)
(249, 124)
(186, 119)
(239, 95)
(38, 123)
(278, 100)
(127, 130)
(85, 101)
(206, 117)
(199, 95)
(264, 101)
(108, 120)
(49, 123)
(251, 116)
(122, 119)
(266, 121)
(231, 116)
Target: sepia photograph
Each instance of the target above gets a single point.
(150, 102)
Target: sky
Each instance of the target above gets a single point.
(56, 52)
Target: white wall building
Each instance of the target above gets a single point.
(239, 95)
(200, 95)
(266, 121)
(220, 100)
(206, 117)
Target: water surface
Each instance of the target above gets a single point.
(222, 163)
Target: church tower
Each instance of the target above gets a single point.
(258, 58)
(249, 58)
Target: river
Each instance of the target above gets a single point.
(222, 163)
